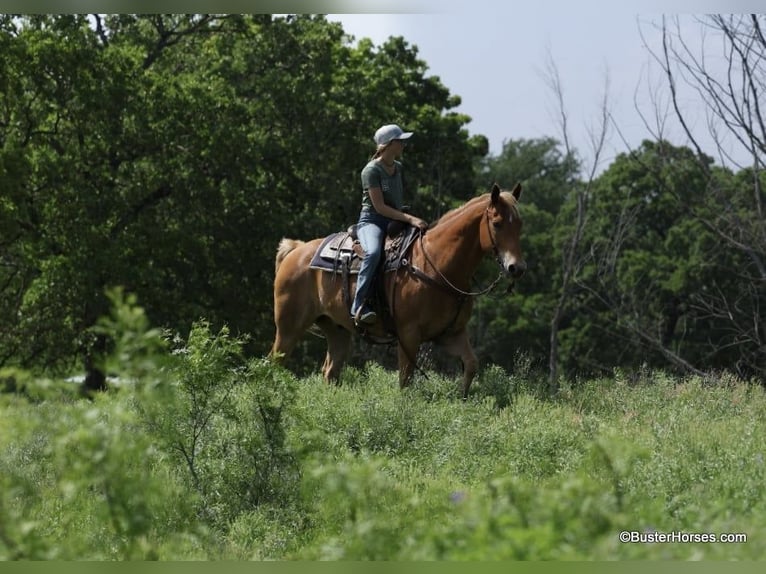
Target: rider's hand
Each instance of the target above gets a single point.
(417, 222)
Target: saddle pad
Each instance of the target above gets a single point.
(337, 242)
(336, 251)
(333, 253)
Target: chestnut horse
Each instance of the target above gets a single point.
(429, 296)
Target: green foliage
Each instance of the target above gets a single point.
(82, 480)
(550, 481)
(648, 265)
(145, 151)
(191, 441)
(137, 347)
(504, 387)
(294, 469)
(521, 321)
(170, 153)
(366, 514)
(214, 407)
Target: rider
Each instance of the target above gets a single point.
(381, 202)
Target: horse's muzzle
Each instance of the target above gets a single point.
(516, 270)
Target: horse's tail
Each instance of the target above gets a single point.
(285, 247)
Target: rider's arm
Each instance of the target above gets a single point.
(376, 197)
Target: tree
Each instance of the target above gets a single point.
(572, 219)
(725, 74)
(521, 322)
(651, 261)
(168, 154)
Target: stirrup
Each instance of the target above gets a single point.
(365, 316)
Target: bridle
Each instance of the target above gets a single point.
(447, 283)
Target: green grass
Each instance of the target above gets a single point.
(213, 456)
(372, 472)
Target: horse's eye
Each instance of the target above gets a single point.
(497, 224)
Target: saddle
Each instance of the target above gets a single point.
(342, 253)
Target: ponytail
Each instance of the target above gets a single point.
(381, 148)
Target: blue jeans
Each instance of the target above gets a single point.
(371, 233)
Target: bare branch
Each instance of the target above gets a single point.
(572, 256)
(553, 79)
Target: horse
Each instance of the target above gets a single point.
(427, 296)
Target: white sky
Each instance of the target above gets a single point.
(496, 59)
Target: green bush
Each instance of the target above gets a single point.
(221, 421)
(204, 453)
(83, 481)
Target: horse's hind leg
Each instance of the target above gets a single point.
(291, 326)
(284, 343)
(338, 345)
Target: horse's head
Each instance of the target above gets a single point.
(504, 230)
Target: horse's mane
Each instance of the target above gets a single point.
(471, 203)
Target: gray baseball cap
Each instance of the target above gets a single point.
(389, 133)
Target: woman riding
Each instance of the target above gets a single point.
(382, 193)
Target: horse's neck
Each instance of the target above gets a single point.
(454, 245)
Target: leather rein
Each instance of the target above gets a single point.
(447, 285)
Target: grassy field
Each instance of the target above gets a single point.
(206, 455)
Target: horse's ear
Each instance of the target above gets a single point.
(495, 193)
(516, 192)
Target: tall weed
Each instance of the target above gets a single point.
(205, 453)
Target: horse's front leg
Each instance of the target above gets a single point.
(408, 352)
(459, 345)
